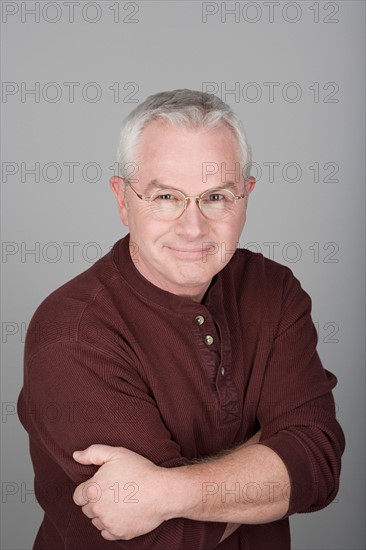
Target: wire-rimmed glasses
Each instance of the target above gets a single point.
(169, 204)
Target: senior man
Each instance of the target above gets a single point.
(185, 368)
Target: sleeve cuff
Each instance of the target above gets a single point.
(298, 463)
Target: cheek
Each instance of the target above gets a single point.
(238, 226)
(149, 231)
(139, 219)
(229, 239)
(232, 230)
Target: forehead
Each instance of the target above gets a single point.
(163, 143)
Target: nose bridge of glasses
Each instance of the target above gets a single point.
(191, 198)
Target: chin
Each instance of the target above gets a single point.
(190, 274)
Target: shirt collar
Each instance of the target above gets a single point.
(150, 292)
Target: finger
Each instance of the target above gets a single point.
(87, 492)
(95, 454)
(79, 495)
(98, 524)
(88, 511)
(108, 536)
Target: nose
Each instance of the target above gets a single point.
(191, 224)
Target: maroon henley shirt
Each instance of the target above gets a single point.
(110, 358)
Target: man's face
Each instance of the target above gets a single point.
(182, 256)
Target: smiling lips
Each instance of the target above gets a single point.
(190, 253)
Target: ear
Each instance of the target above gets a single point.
(118, 188)
(250, 184)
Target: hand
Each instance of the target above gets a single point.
(124, 498)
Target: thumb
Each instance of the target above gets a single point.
(95, 454)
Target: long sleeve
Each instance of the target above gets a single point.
(75, 395)
(297, 411)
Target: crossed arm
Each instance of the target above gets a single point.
(130, 495)
(247, 485)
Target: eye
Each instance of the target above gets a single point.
(165, 197)
(215, 197)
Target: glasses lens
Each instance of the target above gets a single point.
(217, 203)
(167, 204)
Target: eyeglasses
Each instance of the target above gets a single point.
(169, 204)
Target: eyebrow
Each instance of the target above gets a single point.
(156, 184)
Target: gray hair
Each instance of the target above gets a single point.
(189, 108)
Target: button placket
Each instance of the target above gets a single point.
(208, 341)
(208, 338)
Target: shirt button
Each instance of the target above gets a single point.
(200, 319)
(222, 371)
(208, 340)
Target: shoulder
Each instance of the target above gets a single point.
(253, 267)
(60, 317)
(262, 284)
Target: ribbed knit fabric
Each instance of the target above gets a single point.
(112, 359)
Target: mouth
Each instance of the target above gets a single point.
(187, 253)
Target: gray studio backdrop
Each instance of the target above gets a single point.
(293, 71)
